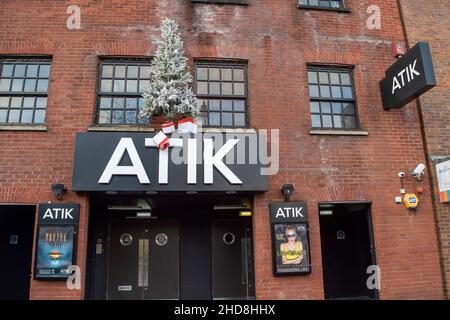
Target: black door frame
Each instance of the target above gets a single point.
(369, 225)
(96, 264)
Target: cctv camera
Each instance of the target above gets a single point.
(419, 170)
(401, 174)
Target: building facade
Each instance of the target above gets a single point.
(434, 107)
(310, 69)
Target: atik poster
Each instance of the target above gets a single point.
(56, 240)
(55, 251)
(291, 246)
(290, 238)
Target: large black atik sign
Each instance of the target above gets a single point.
(408, 78)
(56, 240)
(290, 238)
(132, 162)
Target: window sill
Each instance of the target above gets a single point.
(338, 132)
(22, 127)
(306, 7)
(121, 128)
(235, 2)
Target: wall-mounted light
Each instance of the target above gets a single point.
(244, 204)
(144, 215)
(287, 190)
(325, 212)
(139, 204)
(58, 190)
(245, 213)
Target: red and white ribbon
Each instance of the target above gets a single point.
(161, 140)
(168, 127)
(187, 125)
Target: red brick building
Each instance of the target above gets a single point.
(434, 105)
(310, 70)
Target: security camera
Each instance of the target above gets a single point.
(419, 170)
(401, 174)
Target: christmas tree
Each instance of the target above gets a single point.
(169, 94)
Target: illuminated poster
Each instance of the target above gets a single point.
(55, 251)
(290, 238)
(291, 247)
(56, 240)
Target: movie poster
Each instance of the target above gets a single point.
(291, 248)
(54, 251)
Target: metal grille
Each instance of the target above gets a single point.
(23, 90)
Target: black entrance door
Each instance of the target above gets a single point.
(195, 256)
(143, 259)
(163, 264)
(16, 245)
(125, 245)
(346, 251)
(232, 259)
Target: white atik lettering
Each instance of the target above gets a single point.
(398, 81)
(113, 167)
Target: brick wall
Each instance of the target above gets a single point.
(435, 104)
(278, 40)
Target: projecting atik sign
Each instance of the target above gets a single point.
(132, 162)
(408, 78)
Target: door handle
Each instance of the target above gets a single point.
(143, 262)
(244, 261)
(140, 262)
(146, 262)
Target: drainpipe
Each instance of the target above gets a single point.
(427, 159)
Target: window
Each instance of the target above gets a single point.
(23, 90)
(120, 88)
(323, 4)
(332, 98)
(221, 89)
